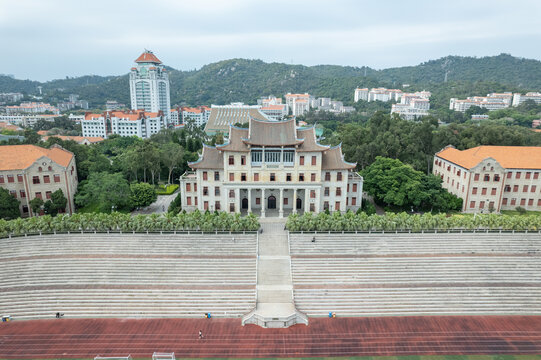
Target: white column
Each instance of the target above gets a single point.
(249, 200)
(318, 200)
(263, 202)
(237, 200)
(294, 201)
(306, 200)
(281, 208)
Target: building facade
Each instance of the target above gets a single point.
(223, 116)
(124, 123)
(149, 85)
(519, 98)
(492, 178)
(271, 167)
(29, 171)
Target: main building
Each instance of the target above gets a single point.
(271, 167)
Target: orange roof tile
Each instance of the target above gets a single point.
(273, 107)
(148, 57)
(17, 157)
(8, 126)
(510, 157)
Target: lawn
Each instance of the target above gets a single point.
(166, 189)
(514, 212)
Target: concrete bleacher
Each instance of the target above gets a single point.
(416, 274)
(106, 275)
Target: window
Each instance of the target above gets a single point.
(472, 204)
(35, 179)
(486, 177)
(337, 206)
(56, 178)
(217, 205)
(22, 193)
(326, 192)
(491, 205)
(20, 178)
(25, 209)
(533, 188)
(515, 188)
(13, 193)
(509, 174)
(325, 205)
(188, 187)
(338, 191)
(1, 179)
(205, 190)
(11, 179)
(504, 201)
(525, 188)
(216, 176)
(243, 177)
(530, 202)
(231, 194)
(301, 177)
(522, 202)
(195, 187)
(50, 168)
(528, 174)
(38, 195)
(474, 191)
(257, 156)
(481, 205)
(301, 160)
(312, 177)
(314, 160)
(517, 176)
(231, 160)
(272, 177)
(312, 194)
(231, 176)
(256, 176)
(243, 160)
(536, 175)
(40, 169)
(231, 207)
(205, 176)
(339, 176)
(493, 191)
(513, 201)
(288, 177)
(289, 157)
(46, 179)
(353, 201)
(272, 156)
(312, 207)
(476, 177)
(354, 188)
(285, 201)
(327, 176)
(48, 194)
(205, 205)
(258, 201)
(538, 202)
(483, 191)
(496, 177)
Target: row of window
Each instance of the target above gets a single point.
(486, 177)
(505, 201)
(272, 177)
(35, 179)
(22, 194)
(525, 188)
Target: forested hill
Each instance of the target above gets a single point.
(246, 80)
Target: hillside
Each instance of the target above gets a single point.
(246, 80)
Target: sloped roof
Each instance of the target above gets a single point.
(148, 57)
(272, 133)
(235, 142)
(78, 139)
(210, 158)
(222, 116)
(310, 143)
(18, 157)
(510, 157)
(333, 159)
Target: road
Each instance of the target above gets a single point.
(160, 206)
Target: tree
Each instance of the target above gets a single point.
(108, 191)
(142, 194)
(175, 205)
(9, 206)
(35, 205)
(171, 157)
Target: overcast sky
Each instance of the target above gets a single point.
(48, 39)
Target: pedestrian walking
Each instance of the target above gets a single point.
(200, 334)
(314, 239)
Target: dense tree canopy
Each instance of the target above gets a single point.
(9, 206)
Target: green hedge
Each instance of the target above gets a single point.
(166, 190)
(196, 220)
(403, 221)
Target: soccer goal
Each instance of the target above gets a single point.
(163, 356)
(113, 357)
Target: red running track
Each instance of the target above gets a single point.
(421, 335)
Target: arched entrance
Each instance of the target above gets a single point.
(271, 202)
(299, 204)
(245, 203)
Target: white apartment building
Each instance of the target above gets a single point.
(29, 171)
(27, 120)
(31, 108)
(493, 101)
(519, 98)
(298, 103)
(492, 178)
(200, 115)
(275, 112)
(412, 105)
(149, 85)
(271, 167)
(360, 94)
(124, 123)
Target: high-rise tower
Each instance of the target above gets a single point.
(149, 85)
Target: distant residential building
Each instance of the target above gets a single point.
(519, 98)
(11, 97)
(361, 94)
(298, 103)
(114, 105)
(76, 118)
(493, 101)
(29, 171)
(27, 120)
(269, 100)
(536, 123)
(7, 126)
(412, 105)
(492, 178)
(124, 123)
(149, 85)
(200, 115)
(275, 112)
(31, 108)
(479, 117)
(221, 116)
